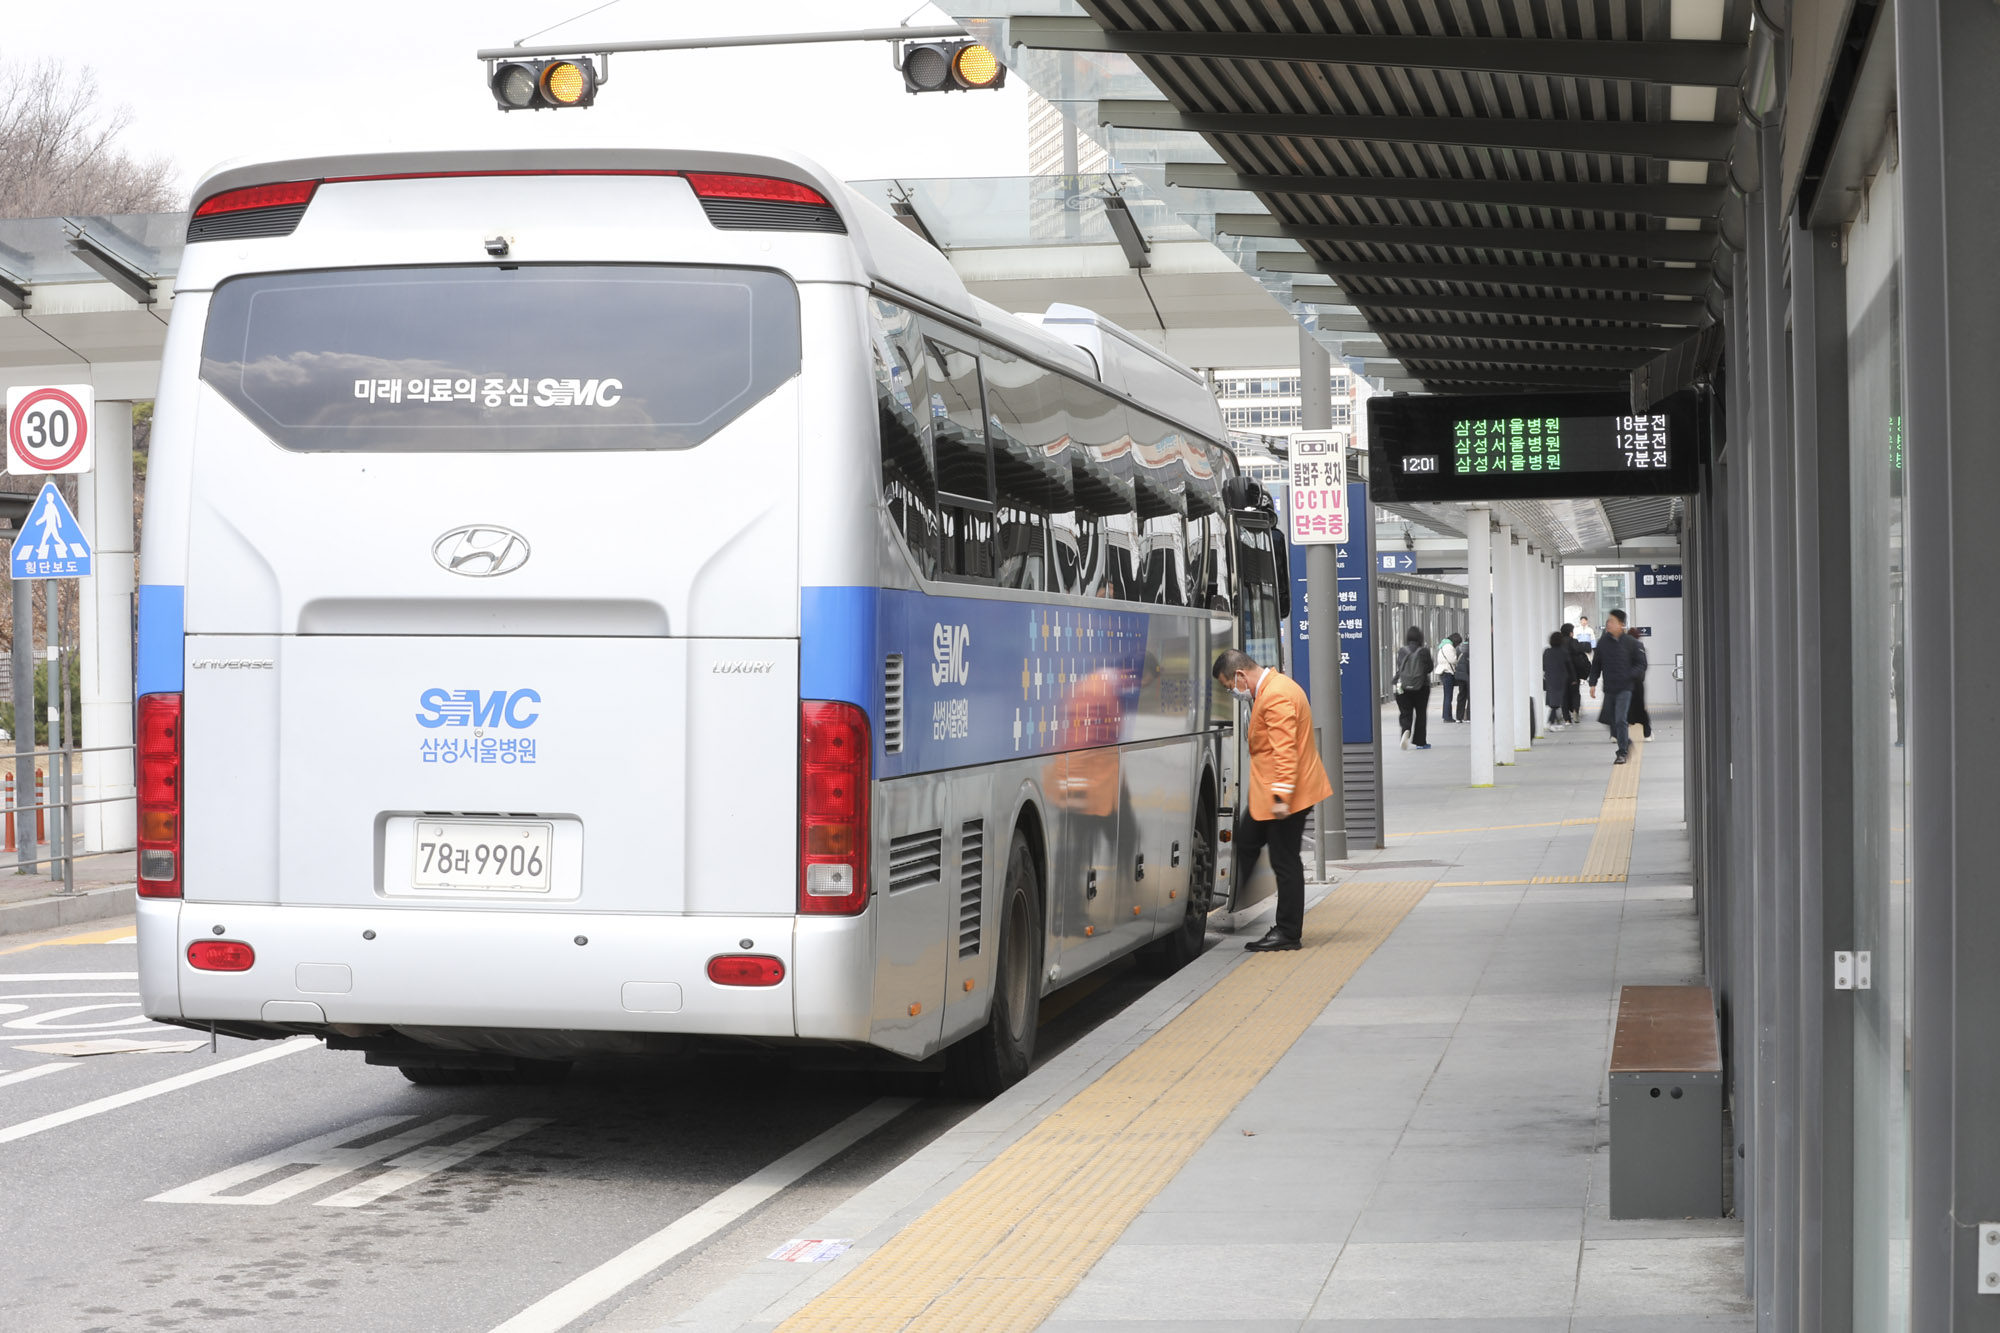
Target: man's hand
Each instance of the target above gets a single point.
(1593, 691)
(1279, 807)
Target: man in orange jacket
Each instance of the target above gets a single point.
(1286, 780)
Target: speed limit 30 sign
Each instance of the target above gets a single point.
(48, 429)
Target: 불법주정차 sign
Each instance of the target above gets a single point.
(1447, 447)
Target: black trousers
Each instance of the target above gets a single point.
(1413, 710)
(1283, 837)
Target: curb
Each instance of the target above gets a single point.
(66, 909)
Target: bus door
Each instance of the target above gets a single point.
(1262, 593)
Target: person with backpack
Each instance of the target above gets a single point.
(1580, 659)
(1464, 677)
(1447, 662)
(1413, 688)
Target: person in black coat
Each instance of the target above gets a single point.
(1620, 662)
(1558, 677)
(1580, 660)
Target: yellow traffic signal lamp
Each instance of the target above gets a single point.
(947, 67)
(532, 85)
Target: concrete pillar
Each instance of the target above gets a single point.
(1529, 655)
(1479, 637)
(1505, 667)
(104, 618)
(1323, 596)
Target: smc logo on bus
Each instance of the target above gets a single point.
(476, 708)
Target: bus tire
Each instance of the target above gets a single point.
(997, 1056)
(1171, 953)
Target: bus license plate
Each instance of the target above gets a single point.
(463, 854)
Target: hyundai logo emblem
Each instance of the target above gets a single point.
(480, 550)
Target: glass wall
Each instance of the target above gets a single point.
(1881, 779)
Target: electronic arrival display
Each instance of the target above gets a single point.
(1446, 447)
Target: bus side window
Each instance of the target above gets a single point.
(1257, 603)
(1029, 430)
(1106, 501)
(964, 464)
(909, 475)
(1162, 512)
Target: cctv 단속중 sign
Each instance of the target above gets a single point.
(48, 429)
(1318, 476)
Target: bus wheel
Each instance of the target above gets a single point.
(997, 1056)
(1171, 953)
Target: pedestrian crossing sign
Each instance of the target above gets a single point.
(51, 544)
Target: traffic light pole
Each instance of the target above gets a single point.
(936, 33)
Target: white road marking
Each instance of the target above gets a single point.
(8, 978)
(124, 939)
(412, 1167)
(24, 1075)
(57, 1119)
(569, 1303)
(328, 1157)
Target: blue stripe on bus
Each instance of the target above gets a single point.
(162, 638)
(837, 646)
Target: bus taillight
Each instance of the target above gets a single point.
(160, 796)
(833, 808)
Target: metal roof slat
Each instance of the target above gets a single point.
(1713, 64)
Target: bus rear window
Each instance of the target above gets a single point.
(483, 359)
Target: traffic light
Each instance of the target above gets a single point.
(530, 85)
(948, 67)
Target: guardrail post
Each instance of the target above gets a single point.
(68, 824)
(41, 810)
(10, 812)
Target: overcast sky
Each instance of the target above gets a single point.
(208, 80)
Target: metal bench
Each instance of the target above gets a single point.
(1666, 1104)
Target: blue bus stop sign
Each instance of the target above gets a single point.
(51, 544)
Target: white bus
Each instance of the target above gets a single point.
(603, 601)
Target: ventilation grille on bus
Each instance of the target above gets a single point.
(916, 859)
(766, 215)
(892, 704)
(281, 220)
(971, 884)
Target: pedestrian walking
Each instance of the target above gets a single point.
(1620, 661)
(1413, 688)
(1447, 661)
(1558, 677)
(1464, 677)
(1585, 635)
(1286, 780)
(1580, 659)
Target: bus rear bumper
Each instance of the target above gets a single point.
(458, 968)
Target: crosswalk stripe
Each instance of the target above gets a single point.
(22, 1076)
(410, 1156)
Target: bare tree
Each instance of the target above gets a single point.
(59, 152)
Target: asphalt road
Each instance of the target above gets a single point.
(267, 1185)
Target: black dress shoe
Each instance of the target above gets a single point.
(1275, 939)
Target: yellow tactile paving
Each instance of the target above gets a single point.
(1494, 828)
(1610, 856)
(1002, 1250)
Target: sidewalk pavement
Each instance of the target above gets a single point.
(104, 888)
(1430, 1155)
(1433, 1154)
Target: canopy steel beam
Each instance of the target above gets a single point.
(1702, 141)
(1667, 201)
(1561, 334)
(1415, 359)
(1554, 379)
(1692, 247)
(1573, 277)
(1683, 314)
(1707, 64)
